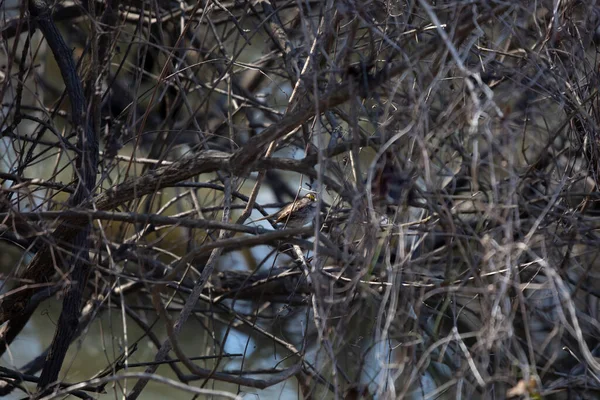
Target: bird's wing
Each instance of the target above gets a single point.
(285, 212)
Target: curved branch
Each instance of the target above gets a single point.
(86, 167)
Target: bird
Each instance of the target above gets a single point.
(296, 214)
(392, 182)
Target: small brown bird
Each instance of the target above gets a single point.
(296, 214)
(392, 182)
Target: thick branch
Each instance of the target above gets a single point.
(87, 162)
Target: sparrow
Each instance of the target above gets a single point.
(296, 214)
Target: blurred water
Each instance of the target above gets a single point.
(104, 342)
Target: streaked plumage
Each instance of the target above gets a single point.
(295, 214)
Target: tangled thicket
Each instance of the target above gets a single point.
(452, 146)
